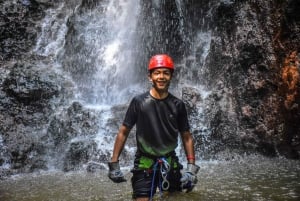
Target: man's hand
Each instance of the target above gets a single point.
(189, 178)
(115, 174)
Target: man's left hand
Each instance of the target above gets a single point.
(189, 178)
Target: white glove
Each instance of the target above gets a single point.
(189, 177)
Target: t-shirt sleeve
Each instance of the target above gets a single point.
(183, 122)
(131, 114)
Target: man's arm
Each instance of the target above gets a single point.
(120, 142)
(189, 178)
(115, 173)
(188, 144)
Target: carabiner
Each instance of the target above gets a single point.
(165, 184)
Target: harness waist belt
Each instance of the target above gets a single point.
(139, 153)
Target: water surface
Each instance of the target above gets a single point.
(251, 178)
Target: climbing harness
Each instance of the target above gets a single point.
(164, 168)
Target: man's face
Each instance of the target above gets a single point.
(161, 78)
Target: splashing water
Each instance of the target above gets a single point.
(51, 40)
(104, 69)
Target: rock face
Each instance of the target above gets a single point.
(255, 59)
(19, 23)
(28, 99)
(251, 70)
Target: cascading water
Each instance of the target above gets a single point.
(100, 51)
(102, 47)
(95, 45)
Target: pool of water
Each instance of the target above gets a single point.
(250, 178)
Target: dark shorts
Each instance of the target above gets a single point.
(142, 182)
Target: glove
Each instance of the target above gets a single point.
(189, 178)
(115, 174)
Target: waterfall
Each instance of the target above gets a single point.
(100, 51)
(105, 47)
(54, 29)
(96, 46)
(4, 154)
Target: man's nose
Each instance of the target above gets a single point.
(161, 75)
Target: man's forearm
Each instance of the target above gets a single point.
(119, 143)
(188, 144)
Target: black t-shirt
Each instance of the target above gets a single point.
(158, 122)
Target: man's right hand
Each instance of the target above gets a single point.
(115, 174)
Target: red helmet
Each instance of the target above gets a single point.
(159, 61)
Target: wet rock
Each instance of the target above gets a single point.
(287, 151)
(73, 122)
(78, 153)
(71, 137)
(18, 31)
(242, 56)
(28, 84)
(29, 96)
(94, 166)
(5, 173)
(192, 98)
(24, 150)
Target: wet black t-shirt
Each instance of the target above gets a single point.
(158, 122)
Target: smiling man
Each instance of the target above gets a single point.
(160, 118)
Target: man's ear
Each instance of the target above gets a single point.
(149, 77)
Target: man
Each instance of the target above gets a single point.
(159, 118)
